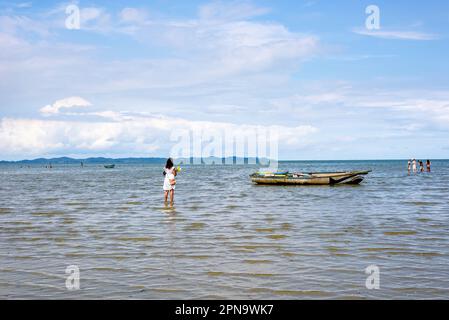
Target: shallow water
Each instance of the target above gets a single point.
(224, 237)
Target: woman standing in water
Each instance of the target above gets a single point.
(428, 165)
(169, 181)
(409, 164)
(414, 165)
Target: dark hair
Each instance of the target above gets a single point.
(169, 163)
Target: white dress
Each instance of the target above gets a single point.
(168, 176)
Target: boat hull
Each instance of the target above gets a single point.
(323, 178)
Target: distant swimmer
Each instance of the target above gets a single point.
(414, 165)
(409, 166)
(169, 180)
(421, 166)
(428, 165)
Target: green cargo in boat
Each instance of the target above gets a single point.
(312, 178)
(109, 166)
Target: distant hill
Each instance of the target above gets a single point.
(98, 160)
(102, 160)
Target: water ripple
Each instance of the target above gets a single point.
(224, 237)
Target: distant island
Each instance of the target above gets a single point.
(103, 160)
(96, 160)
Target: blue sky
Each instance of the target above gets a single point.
(135, 71)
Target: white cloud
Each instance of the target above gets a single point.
(397, 34)
(431, 108)
(130, 135)
(224, 44)
(207, 51)
(92, 13)
(95, 19)
(24, 5)
(229, 10)
(238, 47)
(18, 23)
(65, 103)
(133, 15)
(9, 41)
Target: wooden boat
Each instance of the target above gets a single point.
(312, 178)
(109, 166)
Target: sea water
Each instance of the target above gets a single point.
(224, 238)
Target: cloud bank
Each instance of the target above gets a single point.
(66, 103)
(119, 134)
(397, 34)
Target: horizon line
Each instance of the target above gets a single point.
(158, 157)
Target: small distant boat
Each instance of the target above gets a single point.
(312, 178)
(109, 166)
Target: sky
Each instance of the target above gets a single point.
(336, 80)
